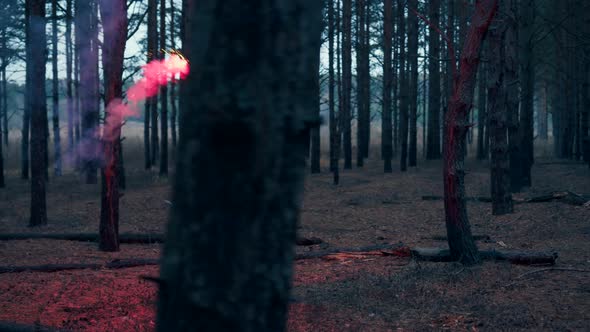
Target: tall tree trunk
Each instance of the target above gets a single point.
(461, 242)
(433, 138)
(69, 91)
(499, 175)
(76, 54)
(38, 104)
(386, 134)
(163, 97)
(331, 83)
(339, 124)
(403, 93)
(26, 124)
(543, 113)
(86, 22)
(413, 83)
(2, 96)
(5, 102)
(585, 116)
(173, 110)
(217, 223)
(367, 81)
(511, 76)
(360, 81)
(153, 52)
(57, 166)
(114, 20)
(481, 110)
(315, 131)
(346, 81)
(527, 77)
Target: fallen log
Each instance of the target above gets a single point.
(472, 199)
(115, 264)
(397, 249)
(12, 327)
(514, 257)
(127, 238)
(444, 238)
(564, 196)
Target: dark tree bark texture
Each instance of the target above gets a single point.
(38, 104)
(114, 19)
(241, 162)
(461, 242)
(386, 130)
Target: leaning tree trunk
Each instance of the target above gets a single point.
(386, 130)
(461, 241)
(114, 20)
(499, 175)
(38, 106)
(227, 262)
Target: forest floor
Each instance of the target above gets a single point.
(367, 293)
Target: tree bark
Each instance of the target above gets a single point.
(153, 52)
(331, 85)
(511, 77)
(386, 122)
(527, 86)
(403, 94)
(241, 165)
(360, 80)
(114, 20)
(86, 22)
(69, 90)
(433, 137)
(57, 165)
(163, 97)
(413, 84)
(37, 22)
(461, 242)
(26, 124)
(482, 116)
(499, 175)
(346, 81)
(173, 99)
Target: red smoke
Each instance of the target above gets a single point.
(155, 74)
(158, 73)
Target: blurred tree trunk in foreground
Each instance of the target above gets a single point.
(227, 262)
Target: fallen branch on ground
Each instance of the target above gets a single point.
(127, 238)
(11, 327)
(115, 264)
(514, 257)
(563, 196)
(374, 250)
(444, 237)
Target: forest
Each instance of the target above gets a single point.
(294, 165)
